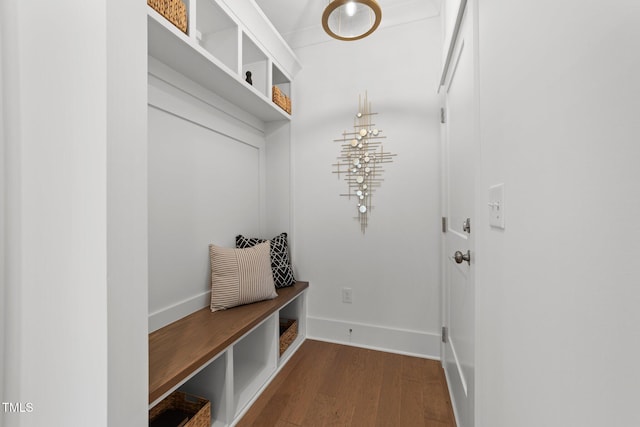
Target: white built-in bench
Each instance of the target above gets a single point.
(225, 356)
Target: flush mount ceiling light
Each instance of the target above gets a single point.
(350, 20)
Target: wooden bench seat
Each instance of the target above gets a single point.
(180, 348)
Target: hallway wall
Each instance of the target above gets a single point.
(393, 269)
(558, 295)
(74, 247)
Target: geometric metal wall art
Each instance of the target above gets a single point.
(361, 160)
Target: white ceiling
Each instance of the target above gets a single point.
(299, 20)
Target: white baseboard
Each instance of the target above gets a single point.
(401, 341)
(177, 311)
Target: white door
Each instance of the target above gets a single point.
(459, 185)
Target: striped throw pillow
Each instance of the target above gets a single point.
(240, 276)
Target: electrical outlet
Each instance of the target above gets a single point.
(347, 295)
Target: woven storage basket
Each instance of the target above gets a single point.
(280, 99)
(287, 103)
(197, 408)
(174, 10)
(288, 333)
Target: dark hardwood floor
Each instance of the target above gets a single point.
(328, 384)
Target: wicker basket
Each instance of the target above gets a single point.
(288, 333)
(197, 409)
(287, 103)
(174, 10)
(280, 99)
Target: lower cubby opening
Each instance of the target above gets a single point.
(293, 311)
(209, 383)
(254, 361)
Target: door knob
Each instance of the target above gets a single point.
(459, 257)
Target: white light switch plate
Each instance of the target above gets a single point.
(496, 206)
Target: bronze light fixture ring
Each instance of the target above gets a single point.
(372, 4)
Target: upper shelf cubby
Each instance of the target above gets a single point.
(255, 62)
(217, 33)
(281, 80)
(219, 48)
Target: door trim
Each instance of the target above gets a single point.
(458, 368)
(464, 41)
(452, 44)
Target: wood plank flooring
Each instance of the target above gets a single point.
(328, 384)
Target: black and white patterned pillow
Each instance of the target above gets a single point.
(280, 264)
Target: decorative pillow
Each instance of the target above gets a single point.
(240, 276)
(280, 264)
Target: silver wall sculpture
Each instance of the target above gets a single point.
(361, 160)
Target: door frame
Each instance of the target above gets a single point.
(452, 53)
(444, 81)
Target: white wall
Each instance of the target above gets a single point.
(558, 296)
(126, 159)
(69, 143)
(57, 237)
(2, 218)
(62, 131)
(393, 269)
